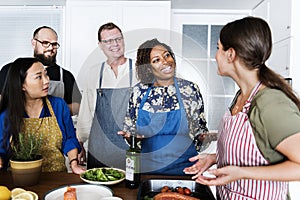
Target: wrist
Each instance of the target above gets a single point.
(73, 162)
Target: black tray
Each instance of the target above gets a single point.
(151, 187)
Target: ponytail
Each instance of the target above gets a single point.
(273, 80)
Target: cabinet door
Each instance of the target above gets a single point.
(279, 60)
(262, 10)
(280, 19)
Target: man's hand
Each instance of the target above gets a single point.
(82, 155)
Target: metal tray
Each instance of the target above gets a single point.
(151, 187)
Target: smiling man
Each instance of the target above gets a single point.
(104, 101)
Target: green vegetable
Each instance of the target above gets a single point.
(103, 174)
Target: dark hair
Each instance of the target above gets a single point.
(251, 39)
(35, 33)
(13, 97)
(143, 62)
(107, 26)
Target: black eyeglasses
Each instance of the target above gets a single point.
(110, 41)
(46, 44)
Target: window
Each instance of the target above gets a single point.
(199, 37)
(18, 24)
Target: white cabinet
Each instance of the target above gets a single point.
(282, 17)
(139, 21)
(280, 58)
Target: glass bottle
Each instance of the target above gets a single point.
(133, 175)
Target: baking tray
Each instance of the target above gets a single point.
(151, 187)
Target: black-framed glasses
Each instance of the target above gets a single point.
(110, 41)
(46, 44)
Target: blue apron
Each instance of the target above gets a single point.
(106, 148)
(166, 146)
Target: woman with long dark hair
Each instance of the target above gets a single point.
(258, 145)
(26, 108)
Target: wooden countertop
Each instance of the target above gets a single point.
(53, 180)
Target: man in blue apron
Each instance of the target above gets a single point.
(105, 101)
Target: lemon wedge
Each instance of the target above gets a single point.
(34, 195)
(16, 191)
(23, 196)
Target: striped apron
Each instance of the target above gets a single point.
(237, 146)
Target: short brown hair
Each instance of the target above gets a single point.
(107, 26)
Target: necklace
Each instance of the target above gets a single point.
(240, 102)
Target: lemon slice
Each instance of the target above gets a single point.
(23, 196)
(34, 195)
(16, 191)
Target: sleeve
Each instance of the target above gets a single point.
(3, 146)
(194, 107)
(132, 112)
(279, 117)
(86, 114)
(72, 92)
(65, 122)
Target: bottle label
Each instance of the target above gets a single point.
(130, 168)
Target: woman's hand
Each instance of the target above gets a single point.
(204, 161)
(77, 169)
(1, 164)
(222, 175)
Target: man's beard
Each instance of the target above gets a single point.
(47, 61)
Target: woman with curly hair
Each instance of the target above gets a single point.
(167, 112)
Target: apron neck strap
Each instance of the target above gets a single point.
(254, 91)
(177, 93)
(61, 73)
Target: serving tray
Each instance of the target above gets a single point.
(150, 187)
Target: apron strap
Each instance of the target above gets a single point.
(254, 91)
(61, 73)
(247, 105)
(50, 107)
(101, 75)
(177, 93)
(130, 73)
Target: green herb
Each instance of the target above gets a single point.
(103, 174)
(27, 148)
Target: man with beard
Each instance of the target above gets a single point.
(62, 82)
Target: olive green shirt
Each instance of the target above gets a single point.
(273, 117)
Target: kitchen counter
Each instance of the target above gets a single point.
(49, 181)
